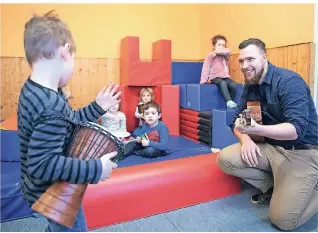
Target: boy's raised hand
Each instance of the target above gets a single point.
(107, 97)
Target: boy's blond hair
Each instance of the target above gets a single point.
(146, 89)
(43, 35)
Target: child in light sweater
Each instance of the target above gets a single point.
(215, 70)
(115, 122)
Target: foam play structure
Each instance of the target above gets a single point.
(13, 206)
(147, 189)
(197, 98)
(186, 72)
(134, 72)
(205, 97)
(142, 187)
(201, 131)
(163, 96)
(208, 127)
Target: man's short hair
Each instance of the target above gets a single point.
(253, 41)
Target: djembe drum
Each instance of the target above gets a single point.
(253, 111)
(62, 200)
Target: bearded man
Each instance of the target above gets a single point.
(284, 167)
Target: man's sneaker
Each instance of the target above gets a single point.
(262, 198)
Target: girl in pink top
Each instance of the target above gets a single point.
(215, 70)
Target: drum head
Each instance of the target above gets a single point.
(121, 134)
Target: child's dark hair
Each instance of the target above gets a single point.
(218, 37)
(152, 105)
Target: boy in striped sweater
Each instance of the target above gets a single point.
(49, 49)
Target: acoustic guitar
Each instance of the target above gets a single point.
(253, 111)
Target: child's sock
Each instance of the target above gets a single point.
(231, 104)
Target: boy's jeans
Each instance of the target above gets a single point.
(135, 148)
(79, 224)
(148, 152)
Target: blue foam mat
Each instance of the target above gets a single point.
(10, 146)
(13, 206)
(179, 146)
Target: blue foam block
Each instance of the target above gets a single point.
(222, 135)
(179, 147)
(205, 97)
(183, 95)
(186, 72)
(229, 116)
(10, 146)
(13, 206)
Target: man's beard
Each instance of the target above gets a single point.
(255, 80)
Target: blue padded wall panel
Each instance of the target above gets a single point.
(186, 72)
(205, 97)
(222, 135)
(183, 95)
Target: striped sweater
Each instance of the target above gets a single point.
(43, 141)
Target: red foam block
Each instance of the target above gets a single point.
(143, 190)
(189, 129)
(129, 101)
(168, 97)
(189, 112)
(191, 118)
(195, 119)
(189, 123)
(134, 72)
(189, 134)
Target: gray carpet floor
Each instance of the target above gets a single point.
(231, 214)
